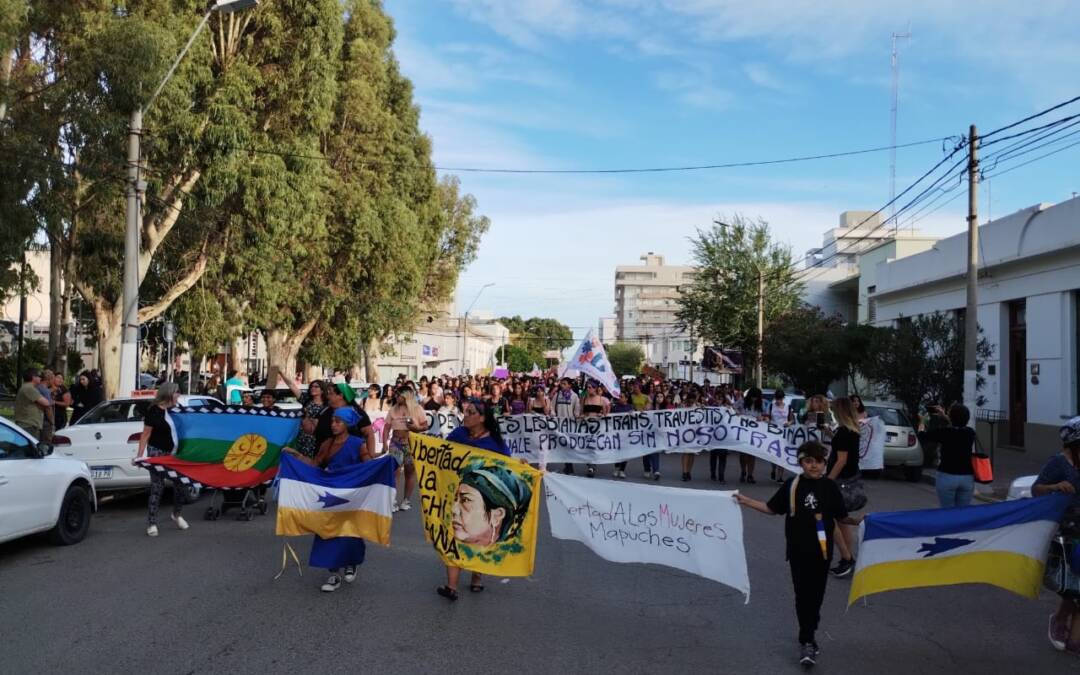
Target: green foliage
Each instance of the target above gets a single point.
(517, 358)
(922, 361)
(720, 305)
(536, 335)
(35, 355)
(810, 350)
(626, 358)
(807, 348)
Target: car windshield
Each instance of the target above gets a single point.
(123, 410)
(890, 416)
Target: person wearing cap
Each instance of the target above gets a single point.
(339, 395)
(342, 449)
(813, 505)
(1061, 474)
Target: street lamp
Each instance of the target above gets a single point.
(465, 326)
(135, 188)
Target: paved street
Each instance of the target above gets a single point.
(205, 601)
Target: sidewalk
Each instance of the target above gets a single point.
(1008, 466)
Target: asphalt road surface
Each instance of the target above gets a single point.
(205, 600)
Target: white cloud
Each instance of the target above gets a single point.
(761, 75)
(694, 88)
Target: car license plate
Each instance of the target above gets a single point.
(101, 472)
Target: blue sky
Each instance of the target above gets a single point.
(570, 84)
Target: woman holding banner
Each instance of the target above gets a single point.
(753, 406)
(689, 401)
(594, 404)
(480, 429)
(337, 452)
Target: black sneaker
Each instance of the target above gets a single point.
(844, 568)
(808, 655)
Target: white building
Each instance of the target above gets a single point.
(837, 275)
(436, 347)
(1029, 276)
(646, 300)
(608, 330)
(36, 324)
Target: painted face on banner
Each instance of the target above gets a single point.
(473, 522)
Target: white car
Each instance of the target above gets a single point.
(107, 439)
(40, 492)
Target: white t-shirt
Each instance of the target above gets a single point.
(779, 413)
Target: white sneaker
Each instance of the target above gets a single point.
(656, 475)
(180, 522)
(647, 475)
(622, 474)
(406, 505)
(615, 473)
(332, 584)
(396, 508)
(151, 531)
(350, 574)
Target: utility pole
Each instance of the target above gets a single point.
(892, 123)
(971, 315)
(760, 326)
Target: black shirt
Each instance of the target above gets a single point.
(322, 428)
(161, 432)
(956, 444)
(432, 404)
(812, 497)
(845, 440)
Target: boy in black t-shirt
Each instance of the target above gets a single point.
(813, 504)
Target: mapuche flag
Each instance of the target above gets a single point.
(227, 447)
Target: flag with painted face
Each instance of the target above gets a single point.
(226, 448)
(591, 360)
(479, 508)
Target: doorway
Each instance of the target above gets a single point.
(1017, 372)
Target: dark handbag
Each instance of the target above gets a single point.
(854, 494)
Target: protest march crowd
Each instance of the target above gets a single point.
(380, 447)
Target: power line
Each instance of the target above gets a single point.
(618, 170)
(1031, 117)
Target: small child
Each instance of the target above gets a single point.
(813, 505)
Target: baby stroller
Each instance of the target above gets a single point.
(248, 500)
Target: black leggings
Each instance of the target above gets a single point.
(717, 463)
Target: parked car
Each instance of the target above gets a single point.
(40, 492)
(796, 402)
(902, 447)
(107, 438)
(1020, 488)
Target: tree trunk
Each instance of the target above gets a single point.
(109, 333)
(56, 261)
(371, 361)
(7, 62)
(281, 351)
(238, 355)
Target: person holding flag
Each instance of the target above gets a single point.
(813, 506)
(339, 451)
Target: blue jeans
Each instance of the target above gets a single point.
(954, 490)
(651, 462)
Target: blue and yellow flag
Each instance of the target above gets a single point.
(1002, 544)
(353, 502)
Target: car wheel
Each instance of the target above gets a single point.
(913, 474)
(74, 521)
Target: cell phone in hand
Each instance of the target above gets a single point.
(821, 420)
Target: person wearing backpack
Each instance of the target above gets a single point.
(813, 506)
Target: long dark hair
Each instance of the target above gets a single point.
(491, 424)
(753, 400)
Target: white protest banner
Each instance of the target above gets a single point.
(699, 531)
(872, 443)
(441, 424)
(623, 436)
